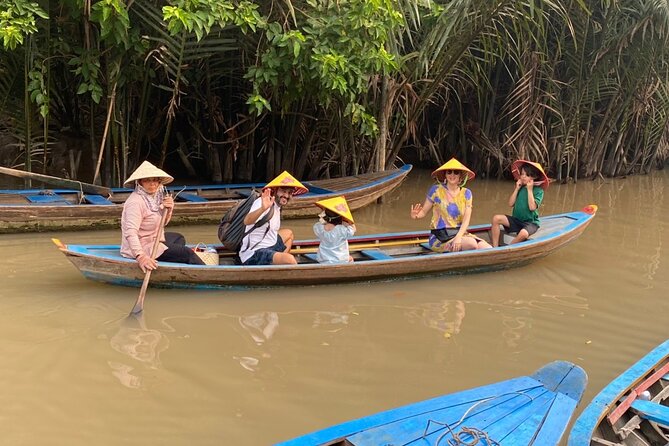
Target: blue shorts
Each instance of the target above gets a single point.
(264, 256)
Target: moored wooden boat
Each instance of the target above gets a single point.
(377, 257)
(632, 410)
(35, 209)
(529, 410)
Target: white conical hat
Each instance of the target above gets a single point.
(148, 170)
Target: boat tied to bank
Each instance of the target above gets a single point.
(62, 209)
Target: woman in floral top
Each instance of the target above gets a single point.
(451, 205)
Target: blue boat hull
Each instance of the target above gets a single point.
(529, 410)
(627, 411)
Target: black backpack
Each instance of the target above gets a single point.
(231, 229)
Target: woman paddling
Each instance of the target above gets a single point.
(141, 221)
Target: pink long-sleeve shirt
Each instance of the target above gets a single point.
(138, 228)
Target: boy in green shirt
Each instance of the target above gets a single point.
(531, 180)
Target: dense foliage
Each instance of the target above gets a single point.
(238, 90)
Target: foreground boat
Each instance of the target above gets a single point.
(530, 410)
(35, 210)
(632, 409)
(377, 257)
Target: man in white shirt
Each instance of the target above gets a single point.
(268, 244)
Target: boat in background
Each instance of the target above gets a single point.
(632, 410)
(377, 257)
(529, 410)
(62, 209)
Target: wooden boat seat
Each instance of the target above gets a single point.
(47, 199)
(652, 411)
(376, 254)
(96, 199)
(191, 198)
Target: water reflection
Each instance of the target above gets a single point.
(445, 317)
(260, 326)
(140, 343)
(331, 321)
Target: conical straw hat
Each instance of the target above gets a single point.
(515, 170)
(339, 206)
(452, 164)
(287, 180)
(148, 170)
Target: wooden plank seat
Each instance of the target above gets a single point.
(96, 199)
(652, 411)
(376, 254)
(47, 199)
(193, 198)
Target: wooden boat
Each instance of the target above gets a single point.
(377, 257)
(529, 410)
(35, 209)
(632, 410)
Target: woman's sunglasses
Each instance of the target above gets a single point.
(452, 172)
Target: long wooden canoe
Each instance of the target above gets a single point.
(632, 410)
(377, 257)
(529, 410)
(36, 210)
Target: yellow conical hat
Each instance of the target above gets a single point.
(452, 164)
(148, 170)
(287, 180)
(515, 170)
(339, 206)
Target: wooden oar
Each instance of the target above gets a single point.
(139, 304)
(56, 181)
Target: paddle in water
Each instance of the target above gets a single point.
(139, 304)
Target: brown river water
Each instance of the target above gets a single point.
(257, 367)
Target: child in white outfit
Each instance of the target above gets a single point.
(333, 231)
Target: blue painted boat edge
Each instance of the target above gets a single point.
(580, 218)
(175, 188)
(594, 412)
(552, 372)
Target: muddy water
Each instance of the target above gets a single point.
(257, 367)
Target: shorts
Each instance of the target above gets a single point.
(264, 256)
(516, 226)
